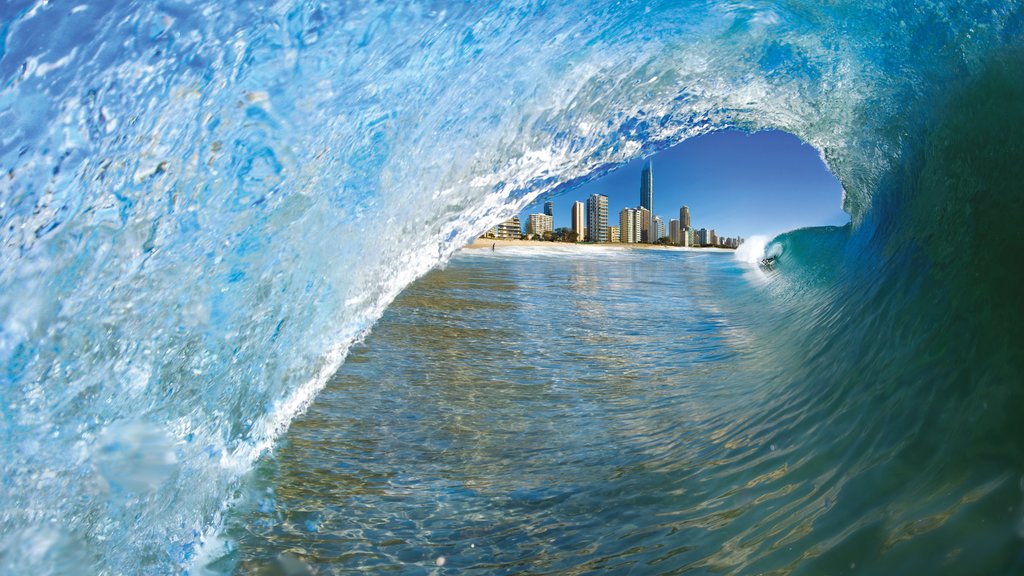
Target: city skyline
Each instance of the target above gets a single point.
(735, 183)
(636, 225)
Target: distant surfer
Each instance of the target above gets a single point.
(768, 262)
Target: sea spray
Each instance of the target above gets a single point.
(752, 251)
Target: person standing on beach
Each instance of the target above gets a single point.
(492, 246)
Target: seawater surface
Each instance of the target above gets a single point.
(588, 410)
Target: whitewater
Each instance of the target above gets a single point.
(204, 206)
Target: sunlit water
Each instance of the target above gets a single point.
(524, 411)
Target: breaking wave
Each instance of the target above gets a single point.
(203, 206)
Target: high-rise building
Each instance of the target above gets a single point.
(538, 224)
(597, 218)
(713, 237)
(549, 209)
(673, 232)
(657, 228)
(645, 224)
(509, 229)
(613, 234)
(579, 221)
(647, 187)
(684, 217)
(629, 225)
(703, 238)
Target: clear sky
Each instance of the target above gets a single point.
(737, 183)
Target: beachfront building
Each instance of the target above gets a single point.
(579, 221)
(647, 187)
(645, 224)
(684, 217)
(629, 225)
(510, 229)
(713, 237)
(657, 228)
(597, 218)
(703, 238)
(549, 209)
(613, 234)
(538, 224)
(673, 232)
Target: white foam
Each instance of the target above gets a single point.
(752, 250)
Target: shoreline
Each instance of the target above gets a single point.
(485, 243)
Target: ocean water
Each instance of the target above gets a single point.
(204, 205)
(546, 411)
(525, 410)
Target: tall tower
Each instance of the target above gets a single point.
(597, 218)
(579, 221)
(684, 217)
(647, 187)
(549, 209)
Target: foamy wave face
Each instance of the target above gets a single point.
(752, 251)
(204, 206)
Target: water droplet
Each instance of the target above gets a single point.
(772, 447)
(440, 561)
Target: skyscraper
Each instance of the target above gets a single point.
(579, 221)
(645, 224)
(673, 231)
(549, 209)
(647, 187)
(629, 225)
(657, 228)
(684, 217)
(597, 218)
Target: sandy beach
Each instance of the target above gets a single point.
(481, 243)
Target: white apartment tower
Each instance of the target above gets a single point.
(579, 219)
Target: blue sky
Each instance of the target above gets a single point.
(737, 183)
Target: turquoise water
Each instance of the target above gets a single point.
(589, 410)
(204, 205)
